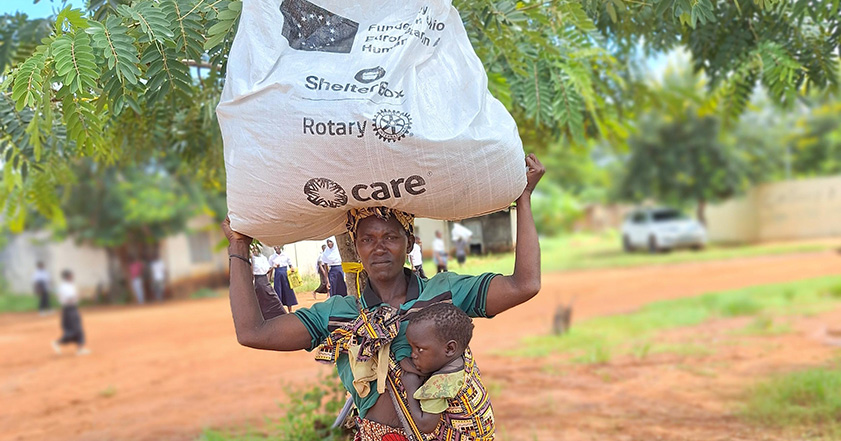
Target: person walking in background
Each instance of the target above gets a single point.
(335, 276)
(281, 264)
(71, 321)
(416, 258)
(321, 269)
(461, 238)
(158, 271)
(266, 297)
(439, 252)
(41, 281)
(135, 272)
(461, 251)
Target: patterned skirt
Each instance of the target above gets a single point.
(367, 430)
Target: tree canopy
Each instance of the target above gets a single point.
(122, 81)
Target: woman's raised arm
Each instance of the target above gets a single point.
(507, 292)
(282, 333)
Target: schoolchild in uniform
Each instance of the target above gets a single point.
(281, 264)
(71, 321)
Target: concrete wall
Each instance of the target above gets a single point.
(19, 257)
(790, 210)
(426, 228)
(196, 252)
(734, 221)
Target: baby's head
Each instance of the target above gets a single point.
(438, 334)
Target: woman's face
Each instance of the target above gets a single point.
(382, 246)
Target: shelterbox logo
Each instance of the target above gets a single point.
(326, 193)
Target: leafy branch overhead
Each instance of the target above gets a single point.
(124, 81)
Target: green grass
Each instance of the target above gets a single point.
(591, 251)
(309, 414)
(599, 339)
(205, 293)
(18, 303)
(764, 325)
(810, 398)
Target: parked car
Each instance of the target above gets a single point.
(659, 229)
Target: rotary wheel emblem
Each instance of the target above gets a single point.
(325, 193)
(392, 125)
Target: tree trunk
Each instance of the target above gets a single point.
(348, 252)
(702, 217)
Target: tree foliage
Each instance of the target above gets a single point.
(123, 81)
(681, 161)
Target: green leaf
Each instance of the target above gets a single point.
(75, 61)
(224, 27)
(188, 36)
(663, 6)
(28, 82)
(83, 125)
(152, 20)
(70, 20)
(166, 74)
(116, 47)
(611, 12)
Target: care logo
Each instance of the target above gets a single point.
(325, 193)
(392, 125)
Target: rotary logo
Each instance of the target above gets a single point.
(392, 125)
(325, 193)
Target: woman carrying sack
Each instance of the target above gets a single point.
(382, 238)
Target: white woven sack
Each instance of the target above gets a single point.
(336, 104)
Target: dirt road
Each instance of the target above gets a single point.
(164, 372)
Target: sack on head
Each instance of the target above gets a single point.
(332, 105)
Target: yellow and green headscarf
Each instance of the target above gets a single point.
(355, 215)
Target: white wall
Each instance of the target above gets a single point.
(790, 210)
(426, 228)
(89, 265)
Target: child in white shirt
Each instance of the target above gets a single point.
(71, 321)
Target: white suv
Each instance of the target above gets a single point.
(657, 229)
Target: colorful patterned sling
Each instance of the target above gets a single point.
(469, 416)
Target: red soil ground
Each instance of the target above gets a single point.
(165, 372)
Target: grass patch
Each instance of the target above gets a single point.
(108, 392)
(599, 339)
(205, 293)
(809, 398)
(835, 291)
(592, 251)
(765, 326)
(18, 303)
(308, 415)
(310, 283)
(598, 354)
(685, 350)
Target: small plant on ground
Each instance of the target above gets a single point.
(807, 399)
(835, 291)
(204, 293)
(598, 354)
(641, 350)
(764, 325)
(309, 415)
(108, 392)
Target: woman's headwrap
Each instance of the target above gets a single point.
(354, 216)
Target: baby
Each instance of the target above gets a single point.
(444, 391)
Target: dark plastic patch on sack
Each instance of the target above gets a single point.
(312, 28)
